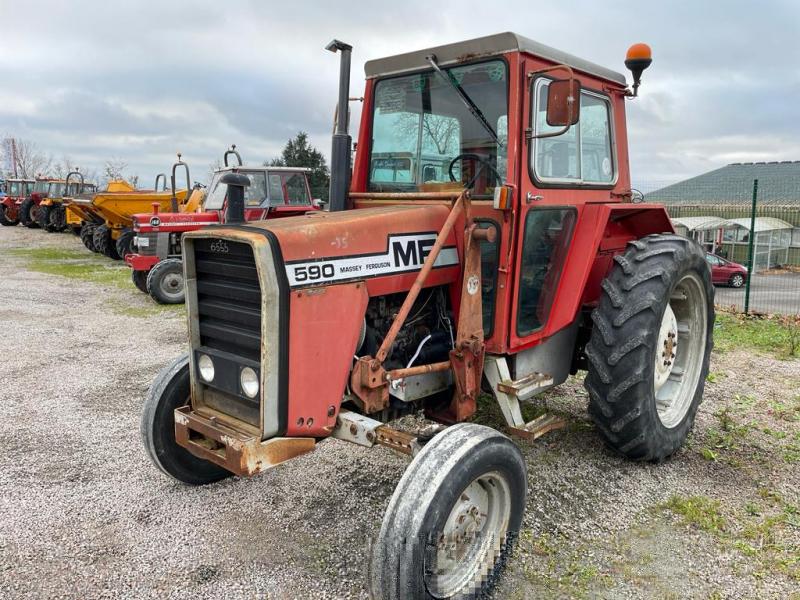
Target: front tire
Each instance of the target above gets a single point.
(650, 346)
(87, 236)
(451, 522)
(169, 391)
(737, 280)
(139, 279)
(124, 244)
(103, 242)
(165, 282)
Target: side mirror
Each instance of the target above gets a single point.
(319, 203)
(563, 102)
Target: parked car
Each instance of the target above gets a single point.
(726, 272)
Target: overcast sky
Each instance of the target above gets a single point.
(141, 80)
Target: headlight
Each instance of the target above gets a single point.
(206, 367)
(249, 380)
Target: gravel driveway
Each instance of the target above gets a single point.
(83, 514)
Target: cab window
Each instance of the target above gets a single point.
(581, 155)
(544, 249)
(288, 188)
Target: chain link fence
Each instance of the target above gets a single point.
(750, 227)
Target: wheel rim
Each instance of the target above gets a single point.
(172, 285)
(472, 537)
(680, 350)
(737, 281)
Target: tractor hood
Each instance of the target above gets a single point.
(385, 246)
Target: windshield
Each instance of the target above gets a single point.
(14, 188)
(420, 125)
(288, 188)
(254, 195)
(41, 187)
(56, 190)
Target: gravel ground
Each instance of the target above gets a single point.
(83, 514)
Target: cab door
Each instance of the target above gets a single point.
(566, 179)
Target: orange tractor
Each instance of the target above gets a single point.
(523, 261)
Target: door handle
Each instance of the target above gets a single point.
(531, 197)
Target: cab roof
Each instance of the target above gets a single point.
(491, 45)
(265, 169)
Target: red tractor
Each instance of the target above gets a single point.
(30, 209)
(273, 192)
(524, 261)
(16, 192)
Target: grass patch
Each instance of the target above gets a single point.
(766, 533)
(779, 336)
(698, 511)
(74, 264)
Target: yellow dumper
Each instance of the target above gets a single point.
(106, 216)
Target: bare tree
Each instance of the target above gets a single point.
(60, 168)
(24, 157)
(114, 168)
(437, 129)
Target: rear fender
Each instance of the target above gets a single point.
(324, 329)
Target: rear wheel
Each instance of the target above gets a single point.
(53, 218)
(87, 236)
(169, 391)
(737, 280)
(165, 282)
(124, 243)
(29, 213)
(452, 519)
(139, 279)
(650, 346)
(4, 218)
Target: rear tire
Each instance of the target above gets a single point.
(29, 213)
(139, 279)
(124, 244)
(87, 236)
(4, 220)
(53, 218)
(165, 282)
(452, 520)
(650, 346)
(169, 391)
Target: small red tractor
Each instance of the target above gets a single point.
(273, 192)
(524, 261)
(17, 191)
(43, 188)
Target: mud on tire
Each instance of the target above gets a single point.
(657, 304)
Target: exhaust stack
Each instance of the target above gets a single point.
(341, 144)
(236, 183)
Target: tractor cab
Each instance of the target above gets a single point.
(52, 214)
(43, 188)
(15, 192)
(271, 192)
(485, 233)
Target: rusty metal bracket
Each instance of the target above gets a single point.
(538, 427)
(238, 452)
(399, 441)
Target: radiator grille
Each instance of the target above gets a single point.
(149, 249)
(228, 297)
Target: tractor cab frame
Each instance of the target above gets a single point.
(16, 191)
(273, 192)
(522, 261)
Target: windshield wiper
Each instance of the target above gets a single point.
(476, 112)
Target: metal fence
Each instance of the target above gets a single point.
(752, 222)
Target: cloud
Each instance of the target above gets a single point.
(143, 80)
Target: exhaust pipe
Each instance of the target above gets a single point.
(341, 144)
(236, 183)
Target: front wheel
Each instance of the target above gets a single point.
(650, 346)
(169, 391)
(452, 519)
(165, 282)
(737, 280)
(139, 279)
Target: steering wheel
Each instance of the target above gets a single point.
(483, 163)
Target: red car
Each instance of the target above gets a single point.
(726, 272)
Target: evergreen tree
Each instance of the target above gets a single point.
(299, 153)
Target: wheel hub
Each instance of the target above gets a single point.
(667, 347)
(472, 536)
(173, 283)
